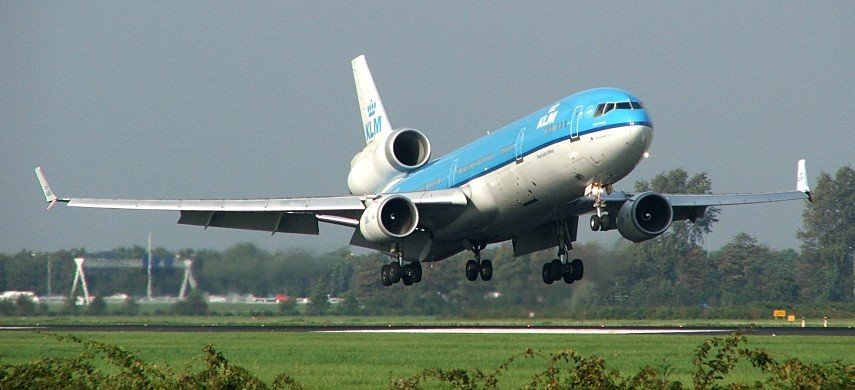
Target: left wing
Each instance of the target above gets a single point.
(287, 215)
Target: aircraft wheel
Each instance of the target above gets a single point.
(472, 270)
(486, 270)
(569, 273)
(547, 273)
(385, 276)
(417, 271)
(578, 269)
(395, 272)
(407, 279)
(596, 222)
(557, 269)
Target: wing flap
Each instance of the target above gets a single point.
(300, 223)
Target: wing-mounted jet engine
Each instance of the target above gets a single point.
(644, 216)
(388, 218)
(387, 155)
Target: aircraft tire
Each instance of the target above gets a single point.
(596, 222)
(395, 272)
(385, 276)
(407, 279)
(556, 269)
(578, 269)
(486, 270)
(417, 271)
(547, 273)
(472, 270)
(569, 274)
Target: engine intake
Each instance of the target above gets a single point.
(387, 156)
(644, 216)
(407, 149)
(389, 218)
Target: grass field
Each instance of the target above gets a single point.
(323, 360)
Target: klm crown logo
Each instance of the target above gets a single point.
(371, 108)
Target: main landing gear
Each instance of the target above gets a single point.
(562, 267)
(476, 266)
(396, 271)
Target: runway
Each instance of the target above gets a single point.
(545, 330)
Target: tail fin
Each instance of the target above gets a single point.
(374, 119)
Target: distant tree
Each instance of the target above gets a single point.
(129, 307)
(741, 264)
(319, 303)
(349, 305)
(193, 305)
(24, 306)
(97, 307)
(288, 308)
(69, 306)
(828, 239)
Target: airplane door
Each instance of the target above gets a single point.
(452, 173)
(574, 122)
(519, 145)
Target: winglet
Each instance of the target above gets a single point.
(49, 196)
(802, 181)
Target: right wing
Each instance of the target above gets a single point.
(287, 215)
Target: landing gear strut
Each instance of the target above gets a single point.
(476, 266)
(562, 267)
(397, 271)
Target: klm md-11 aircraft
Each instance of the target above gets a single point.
(527, 182)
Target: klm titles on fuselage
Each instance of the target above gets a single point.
(549, 118)
(373, 126)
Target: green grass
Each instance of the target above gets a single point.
(320, 360)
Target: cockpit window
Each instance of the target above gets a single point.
(604, 108)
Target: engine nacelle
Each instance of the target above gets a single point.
(388, 219)
(399, 151)
(644, 216)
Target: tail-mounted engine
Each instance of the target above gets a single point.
(644, 216)
(401, 151)
(388, 218)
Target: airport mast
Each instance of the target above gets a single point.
(148, 288)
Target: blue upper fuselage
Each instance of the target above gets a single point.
(579, 114)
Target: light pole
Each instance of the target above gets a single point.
(49, 293)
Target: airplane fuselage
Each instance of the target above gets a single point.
(516, 176)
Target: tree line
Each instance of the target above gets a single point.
(672, 275)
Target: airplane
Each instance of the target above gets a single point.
(528, 182)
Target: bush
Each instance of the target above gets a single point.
(97, 307)
(194, 305)
(288, 308)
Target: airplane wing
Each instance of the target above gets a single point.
(287, 215)
(690, 206)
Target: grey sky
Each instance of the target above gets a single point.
(225, 100)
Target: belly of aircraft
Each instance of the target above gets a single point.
(525, 194)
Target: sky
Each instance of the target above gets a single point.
(256, 99)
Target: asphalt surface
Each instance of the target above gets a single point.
(768, 331)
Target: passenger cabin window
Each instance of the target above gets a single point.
(604, 108)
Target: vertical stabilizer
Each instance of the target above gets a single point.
(374, 119)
